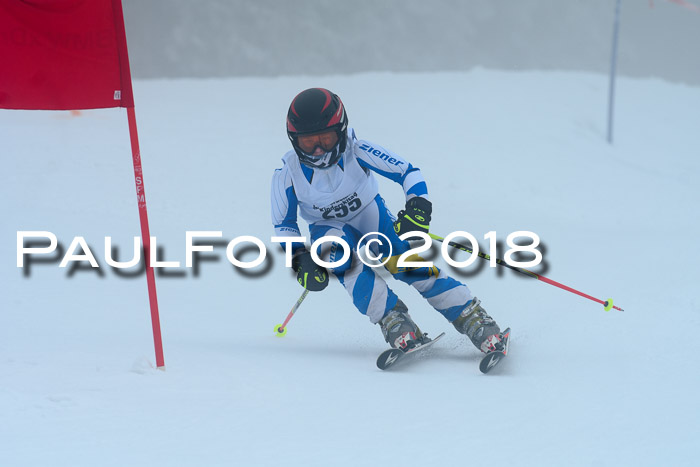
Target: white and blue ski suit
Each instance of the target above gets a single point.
(343, 200)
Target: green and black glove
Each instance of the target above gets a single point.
(416, 216)
(310, 275)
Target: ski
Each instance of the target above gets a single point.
(390, 357)
(491, 359)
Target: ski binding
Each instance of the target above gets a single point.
(389, 357)
(493, 358)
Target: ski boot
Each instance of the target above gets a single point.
(399, 330)
(479, 327)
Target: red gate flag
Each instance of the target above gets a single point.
(63, 54)
(72, 54)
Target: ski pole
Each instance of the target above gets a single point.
(281, 329)
(607, 304)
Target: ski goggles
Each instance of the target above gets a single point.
(326, 140)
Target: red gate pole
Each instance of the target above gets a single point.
(127, 100)
(145, 237)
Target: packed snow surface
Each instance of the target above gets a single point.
(500, 151)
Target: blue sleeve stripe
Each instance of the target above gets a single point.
(418, 189)
(408, 171)
(287, 224)
(277, 183)
(279, 199)
(398, 173)
(284, 199)
(396, 177)
(392, 172)
(292, 201)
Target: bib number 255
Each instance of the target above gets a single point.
(342, 210)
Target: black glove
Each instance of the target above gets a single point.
(416, 216)
(310, 275)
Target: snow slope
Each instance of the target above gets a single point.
(501, 151)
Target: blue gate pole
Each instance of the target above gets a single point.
(613, 66)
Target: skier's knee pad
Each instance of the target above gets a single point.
(334, 252)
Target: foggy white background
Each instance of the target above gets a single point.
(217, 38)
(78, 387)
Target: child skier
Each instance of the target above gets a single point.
(329, 178)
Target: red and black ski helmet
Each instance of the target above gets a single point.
(317, 110)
